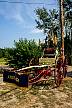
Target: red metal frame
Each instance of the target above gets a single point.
(60, 71)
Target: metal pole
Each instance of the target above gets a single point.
(62, 26)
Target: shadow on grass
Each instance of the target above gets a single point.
(69, 74)
(43, 85)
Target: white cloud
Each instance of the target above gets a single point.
(17, 17)
(36, 31)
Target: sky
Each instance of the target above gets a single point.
(17, 20)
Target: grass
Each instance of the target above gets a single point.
(2, 61)
(3, 92)
(1, 75)
(37, 96)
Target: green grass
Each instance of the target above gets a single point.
(3, 92)
(2, 61)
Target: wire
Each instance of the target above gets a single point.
(6, 1)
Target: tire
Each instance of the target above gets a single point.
(58, 75)
(65, 71)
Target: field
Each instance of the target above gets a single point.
(38, 96)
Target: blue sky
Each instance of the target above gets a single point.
(18, 21)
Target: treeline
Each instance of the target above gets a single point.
(22, 54)
(26, 52)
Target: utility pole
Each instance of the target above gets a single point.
(71, 42)
(62, 27)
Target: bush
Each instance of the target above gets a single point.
(22, 53)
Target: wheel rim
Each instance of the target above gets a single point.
(58, 76)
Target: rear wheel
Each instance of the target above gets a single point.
(58, 76)
(65, 71)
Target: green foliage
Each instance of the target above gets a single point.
(48, 21)
(67, 46)
(22, 53)
(2, 52)
(67, 4)
(2, 61)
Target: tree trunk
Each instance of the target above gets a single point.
(71, 42)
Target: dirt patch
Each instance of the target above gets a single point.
(69, 68)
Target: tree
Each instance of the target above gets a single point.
(23, 52)
(2, 52)
(48, 21)
(68, 26)
(67, 4)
